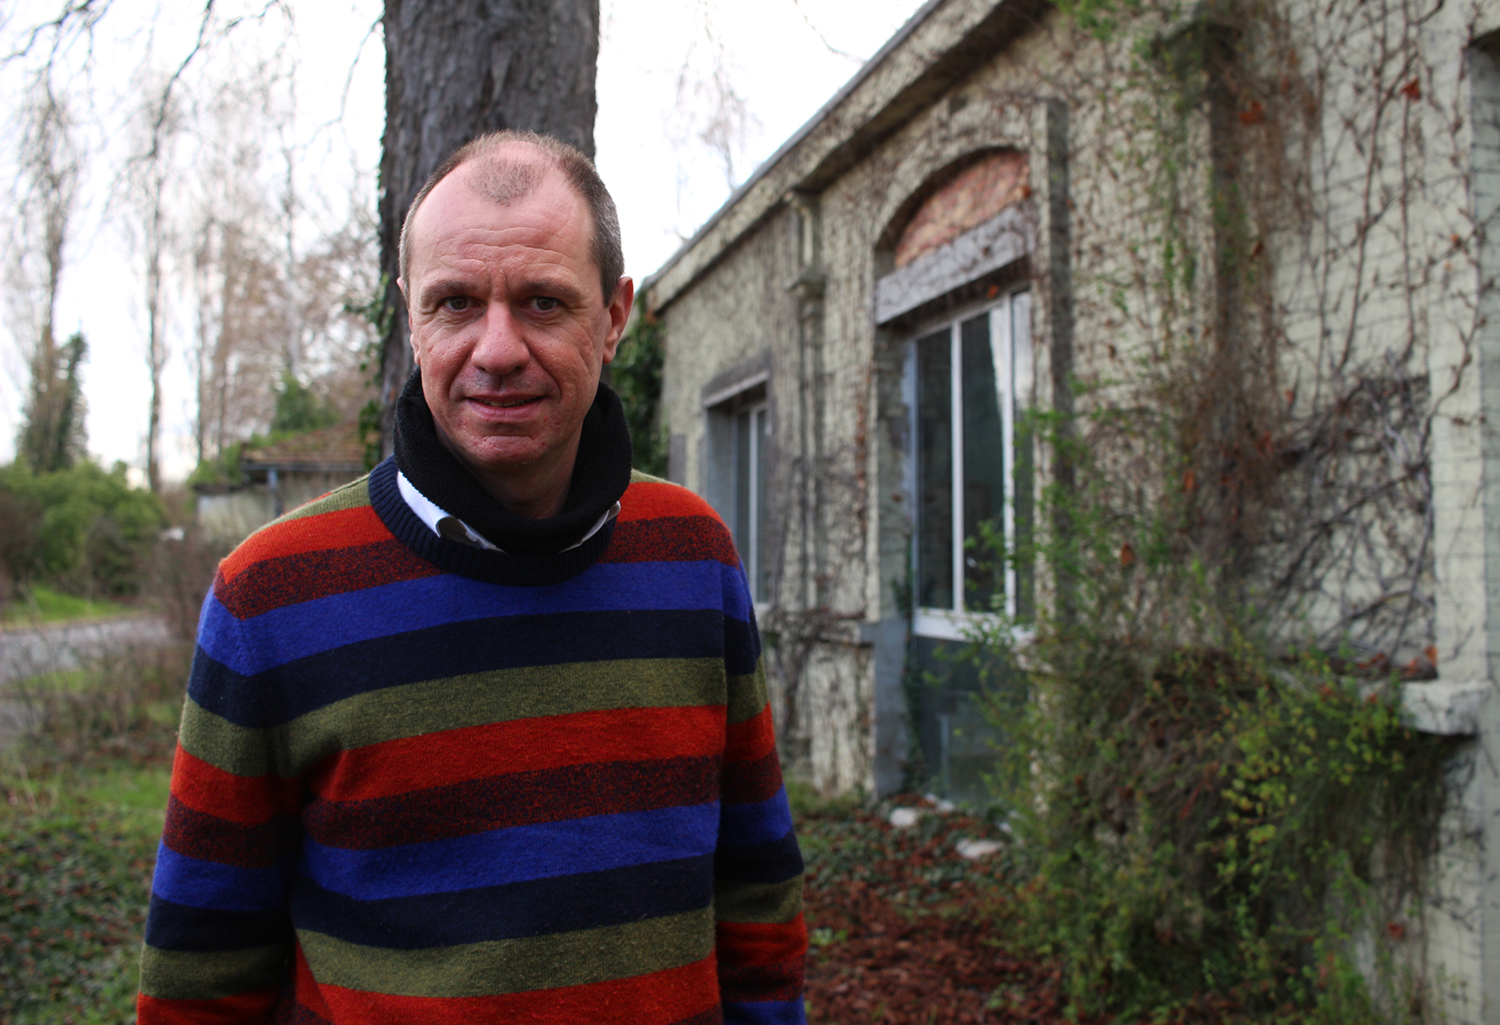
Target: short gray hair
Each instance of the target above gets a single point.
(506, 181)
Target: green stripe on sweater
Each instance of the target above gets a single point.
(768, 903)
(514, 966)
(236, 749)
(212, 974)
(415, 709)
(351, 496)
(748, 693)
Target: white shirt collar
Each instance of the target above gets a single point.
(445, 524)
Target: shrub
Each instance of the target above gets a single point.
(85, 528)
(1199, 809)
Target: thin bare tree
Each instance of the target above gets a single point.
(43, 201)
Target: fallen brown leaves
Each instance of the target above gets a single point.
(933, 969)
(903, 928)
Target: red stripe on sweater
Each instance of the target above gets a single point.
(751, 782)
(252, 1006)
(754, 738)
(656, 999)
(762, 943)
(248, 800)
(651, 501)
(343, 528)
(524, 745)
(305, 987)
(307, 576)
(685, 539)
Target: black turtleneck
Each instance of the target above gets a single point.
(600, 476)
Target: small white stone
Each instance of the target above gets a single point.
(976, 849)
(905, 818)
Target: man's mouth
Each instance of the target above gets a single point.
(505, 403)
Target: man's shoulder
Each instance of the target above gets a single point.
(338, 519)
(662, 521)
(650, 497)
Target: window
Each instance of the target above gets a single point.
(751, 431)
(968, 379)
(739, 436)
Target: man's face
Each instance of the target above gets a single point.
(510, 328)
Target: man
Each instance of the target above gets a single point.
(483, 737)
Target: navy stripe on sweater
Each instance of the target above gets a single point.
(588, 900)
(172, 926)
(773, 862)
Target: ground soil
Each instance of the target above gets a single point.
(904, 929)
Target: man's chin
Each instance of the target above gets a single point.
(508, 458)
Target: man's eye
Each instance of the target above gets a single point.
(545, 304)
(457, 303)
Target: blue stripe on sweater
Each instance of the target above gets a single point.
(209, 884)
(501, 856)
(449, 650)
(741, 825)
(342, 619)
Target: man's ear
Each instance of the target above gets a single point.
(416, 357)
(619, 316)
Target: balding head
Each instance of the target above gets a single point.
(508, 166)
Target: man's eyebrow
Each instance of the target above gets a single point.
(438, 290)
(556, 288)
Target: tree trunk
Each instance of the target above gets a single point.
(156, 338)
(454, 70)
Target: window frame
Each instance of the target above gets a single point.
(724, 411)
(1011, 349)
(757, 412)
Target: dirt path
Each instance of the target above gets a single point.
(26, 652)
(30, 651)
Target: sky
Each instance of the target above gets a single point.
(665, 68)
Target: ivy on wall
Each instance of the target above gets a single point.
(635, 376)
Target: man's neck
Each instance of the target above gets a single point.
(537, 492)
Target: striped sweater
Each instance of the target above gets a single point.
(422, 782)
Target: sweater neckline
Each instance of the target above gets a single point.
(510, 568)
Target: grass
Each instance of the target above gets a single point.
(43, 604)
(84, 793)
(80, 842)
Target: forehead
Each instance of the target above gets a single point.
(511, 197)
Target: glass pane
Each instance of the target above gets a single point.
(761, 586)
(741, 525)
(935, 471)
(984, 467)
(1025, 458)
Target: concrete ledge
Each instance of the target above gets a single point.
(1446, 708)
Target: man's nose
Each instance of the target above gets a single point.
(501, 347)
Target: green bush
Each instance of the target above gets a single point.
(84, 529)
(1201, 821)
(1200, 810)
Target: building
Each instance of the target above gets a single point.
(279, 475)
(1011, 213)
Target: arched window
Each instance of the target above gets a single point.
(958, 296)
